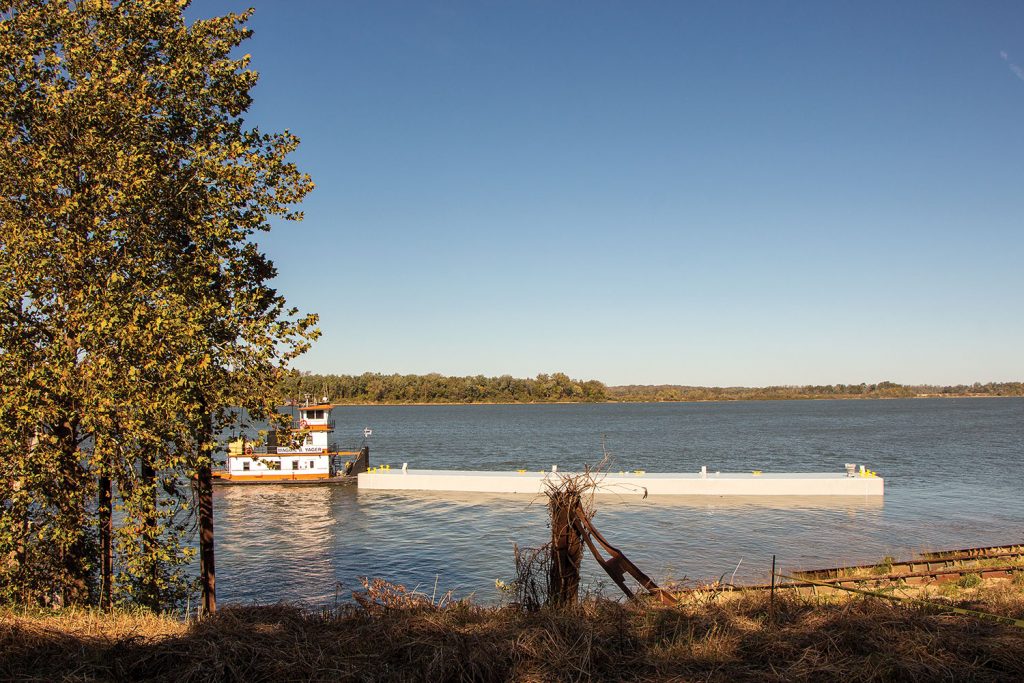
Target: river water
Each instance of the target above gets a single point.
(953, 469)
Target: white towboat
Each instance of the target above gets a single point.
(315, 458)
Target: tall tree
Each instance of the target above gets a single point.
(136, 304)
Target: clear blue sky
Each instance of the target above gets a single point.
(716, 193)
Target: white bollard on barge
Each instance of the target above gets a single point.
(756, 483)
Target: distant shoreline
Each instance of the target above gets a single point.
(641, 402)
(557, 388)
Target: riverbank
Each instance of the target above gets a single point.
(389, 634)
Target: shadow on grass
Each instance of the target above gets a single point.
(737, 640)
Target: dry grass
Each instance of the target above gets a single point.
(392, 634)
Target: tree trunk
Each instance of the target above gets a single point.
(104, 513)
(207, 571)
(20, 551)
(149, 540)
(73, 556)
(566, 549)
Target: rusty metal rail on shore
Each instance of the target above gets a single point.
(930, 568)
(925, 563)
(975, 553)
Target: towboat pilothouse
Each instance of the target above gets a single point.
(315, 458)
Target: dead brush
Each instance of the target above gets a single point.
(572, 511)
(550, 574)
(569, 496)
(378, 594)
(530, 587)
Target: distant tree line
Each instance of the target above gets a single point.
(644, 393)
(559, 387)
(435, 388)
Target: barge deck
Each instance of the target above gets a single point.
(631, 483)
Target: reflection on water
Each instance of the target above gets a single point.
(275, 541)
(951, 466)
(477, 500)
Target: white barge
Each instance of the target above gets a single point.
(849, 483)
